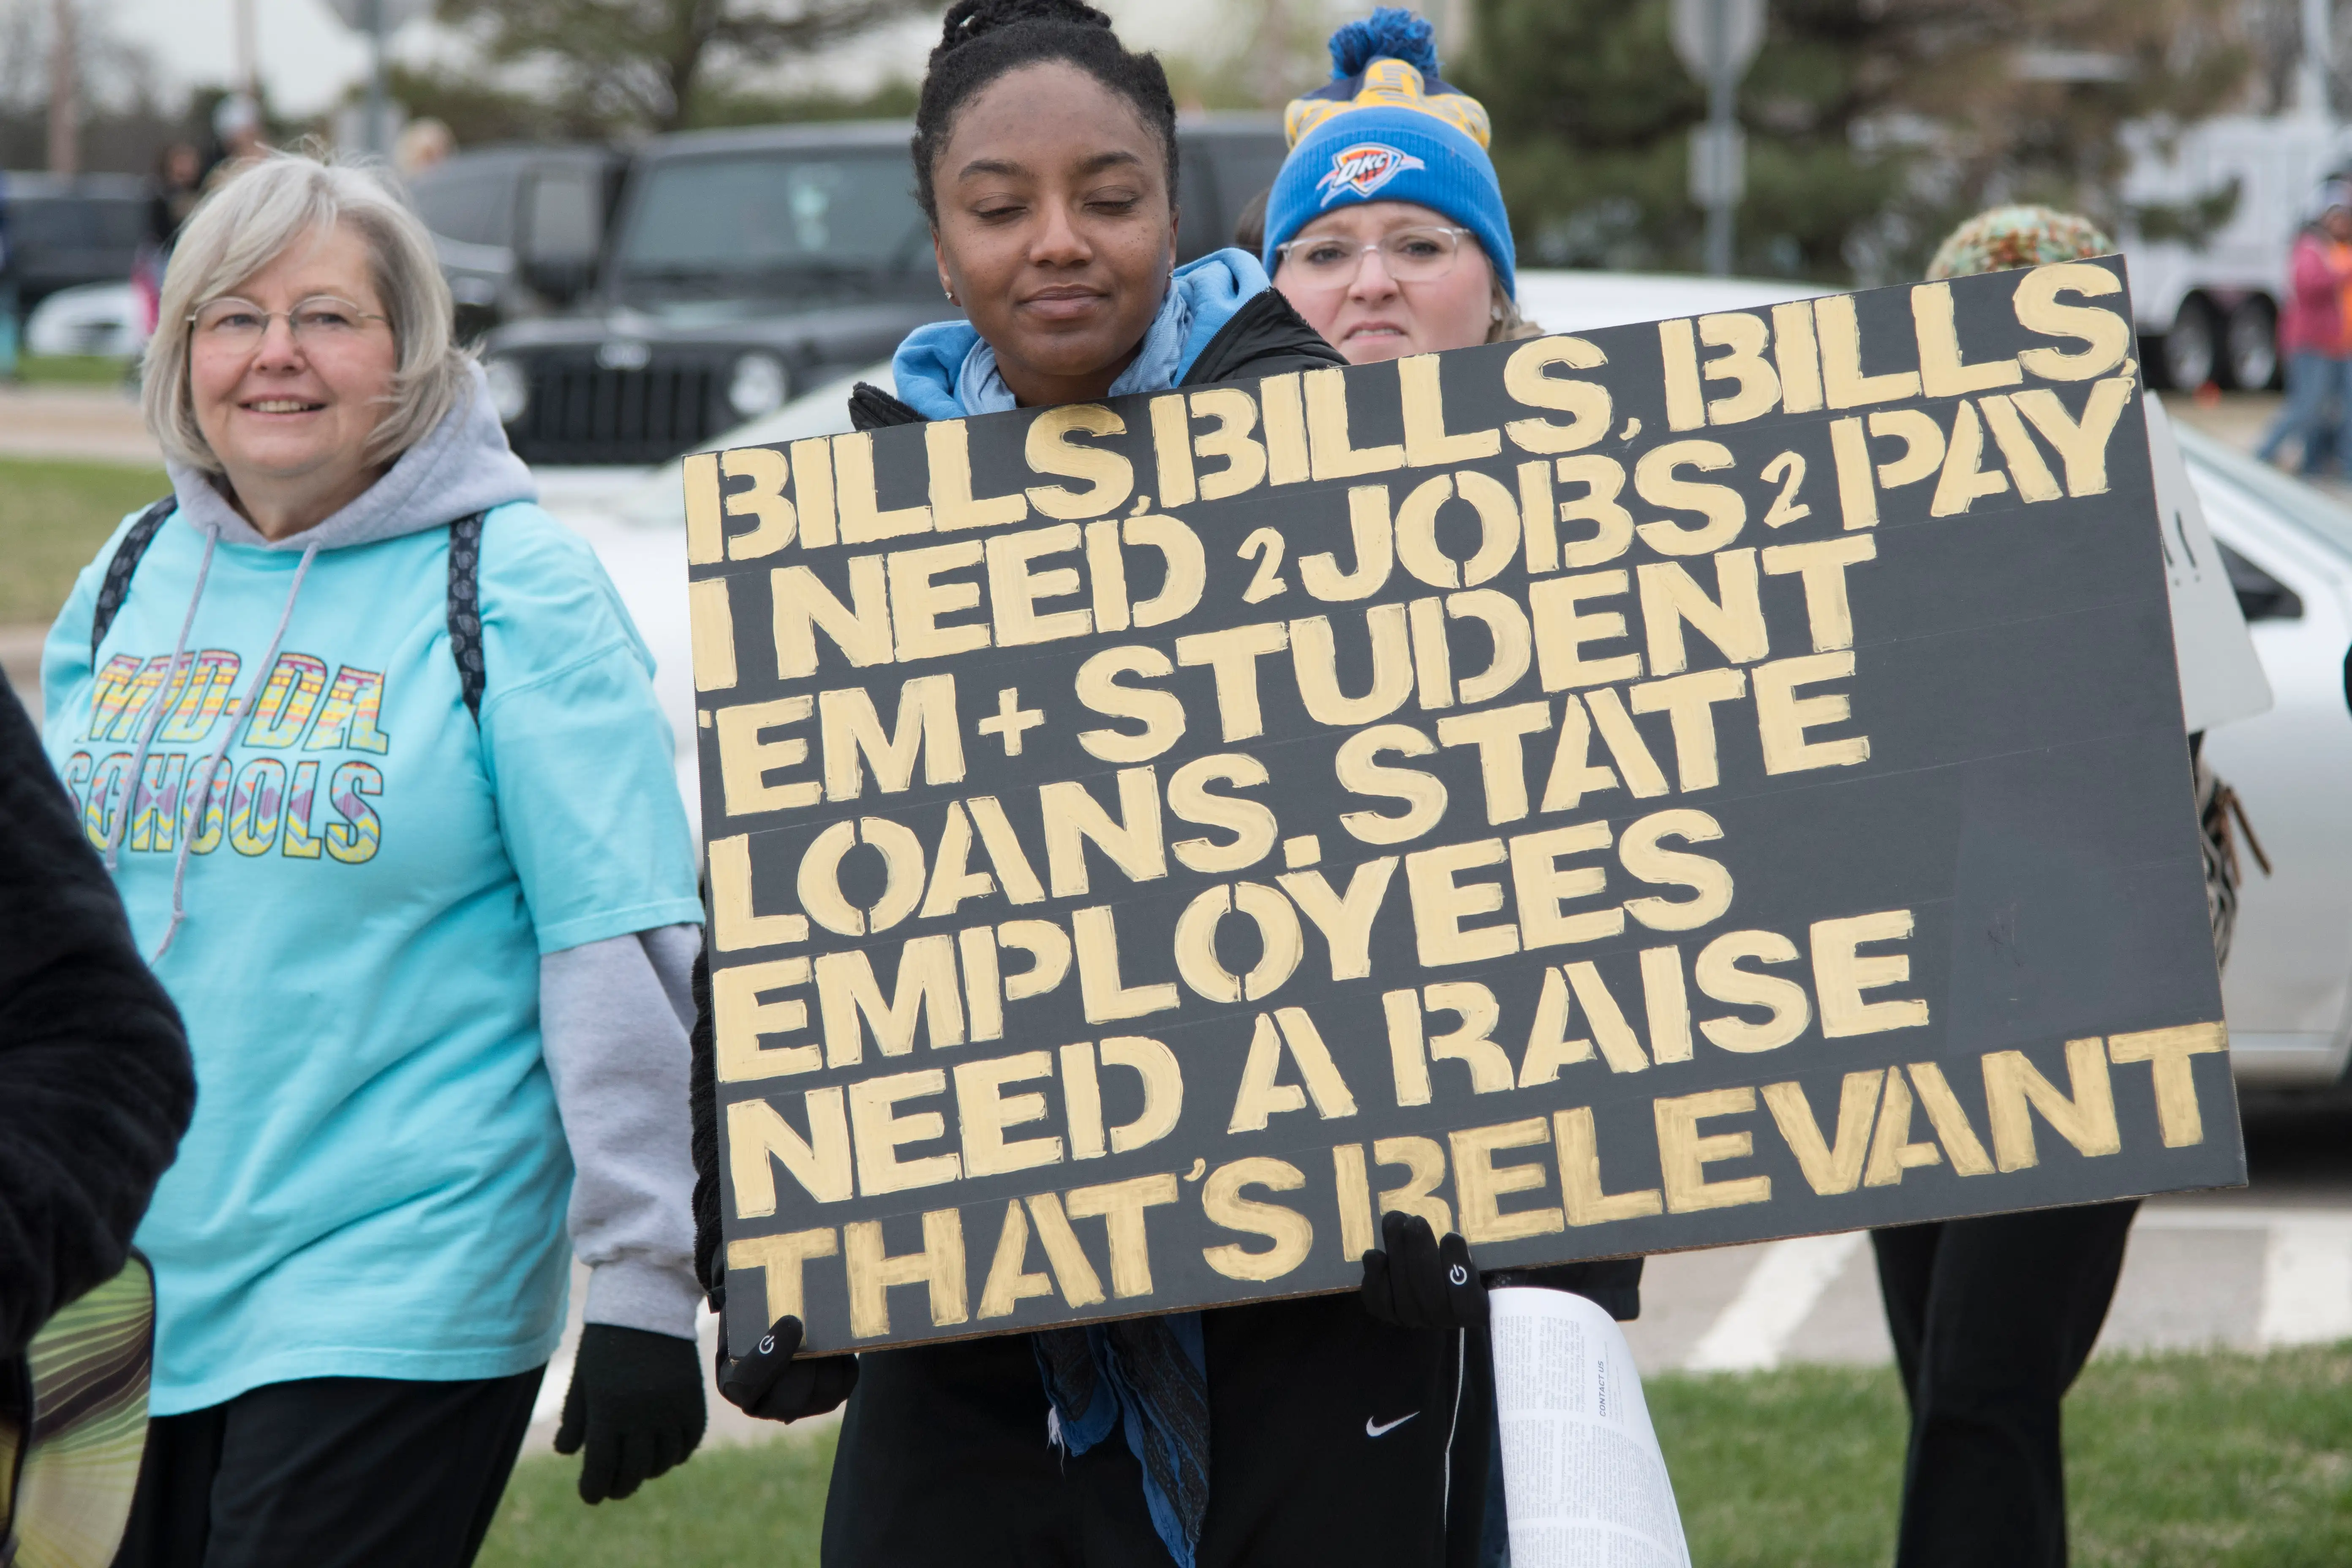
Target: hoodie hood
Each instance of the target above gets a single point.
(462, 465)
(939, 371)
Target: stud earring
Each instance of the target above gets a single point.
(1495, 312)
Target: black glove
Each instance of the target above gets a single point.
(768, 1384)
(635, 1400)
(1416, 1281)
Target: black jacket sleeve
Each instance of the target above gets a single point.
(96, 1086)
(703, 1101)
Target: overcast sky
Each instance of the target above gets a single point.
(308, 59)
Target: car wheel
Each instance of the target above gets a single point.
(2192, 348)
(2251, 355)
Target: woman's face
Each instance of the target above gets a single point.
(1056, 230)
(287, 409)
(1367, 314)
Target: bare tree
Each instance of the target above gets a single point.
(641, 61)
(65, 93)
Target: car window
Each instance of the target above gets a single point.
(1203, 224)
(43, 223)
(118, 225)
(1245, 165)
(2261, 596)
(562, 221)
(468, 205)
(750, 215)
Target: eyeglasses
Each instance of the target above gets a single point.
(1407, 255)
(321, 322)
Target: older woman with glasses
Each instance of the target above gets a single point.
(1385, 229)
(371, 749)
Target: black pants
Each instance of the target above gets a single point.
(329, 1472)
(1332, 1438)
(1992, 1318)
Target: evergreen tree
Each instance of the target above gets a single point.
(1872, 125)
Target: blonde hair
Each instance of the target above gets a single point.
(247, 222)
(1508, 326)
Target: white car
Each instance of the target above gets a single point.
(2288, 989)
(90, 319)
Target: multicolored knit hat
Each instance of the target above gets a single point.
(1388, 128)
(2002, 238)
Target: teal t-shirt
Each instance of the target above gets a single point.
(375, 1181)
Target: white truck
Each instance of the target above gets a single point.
(2214, 210)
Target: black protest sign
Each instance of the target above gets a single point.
(1686, 784)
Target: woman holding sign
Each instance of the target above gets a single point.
(1316, 1430)
(371, 750)
(1386, 228)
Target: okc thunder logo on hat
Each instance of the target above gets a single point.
(1362, 169)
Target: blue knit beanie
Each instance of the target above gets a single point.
(1388, 128)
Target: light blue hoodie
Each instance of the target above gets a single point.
(945, 371)
(352, 909)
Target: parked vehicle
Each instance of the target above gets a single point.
(64, 231)
(745, 265)
(2216, 208)
(88, 318)
(519, 229)
(2288, 550)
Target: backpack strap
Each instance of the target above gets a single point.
(466, 610)
(117, 585)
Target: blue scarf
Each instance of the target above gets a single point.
(947, 371)
(1145, 1377)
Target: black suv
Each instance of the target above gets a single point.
(518, 228)
(745, 265)
(67, 230)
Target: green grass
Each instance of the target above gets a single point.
(2179, 1461)
(53, 517)
(1796, 1469)
(71, 370)
(726, 1506)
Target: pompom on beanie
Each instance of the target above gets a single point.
(1388, 128)
(2000, 238)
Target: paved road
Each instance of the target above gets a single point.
(92, 424)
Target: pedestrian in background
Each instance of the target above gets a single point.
(372, 748)
(2316, 335)
(1994, 1317)
(173, 192)
(422, 145)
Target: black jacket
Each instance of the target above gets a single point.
(96, 1086)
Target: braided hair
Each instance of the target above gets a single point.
(984, 39)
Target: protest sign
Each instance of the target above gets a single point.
(1686, 784)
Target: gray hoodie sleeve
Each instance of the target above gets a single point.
(613, 1021)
